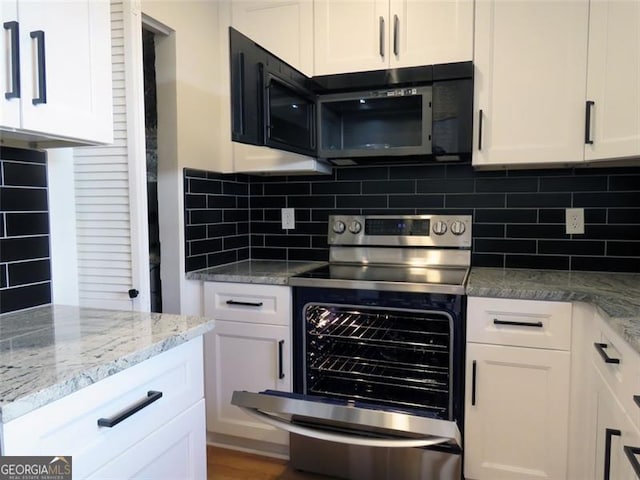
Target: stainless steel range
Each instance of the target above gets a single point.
(378, 351)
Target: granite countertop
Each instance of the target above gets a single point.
(49, 352)
(615, 295)
(273, 272)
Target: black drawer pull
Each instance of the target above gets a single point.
(480, 130)
(280, 359)
(587, 125)
(631, 453)
(607, 359)
(636, 398)
(244, 304)
(517, 324)
(608, 432)
(473, 383)
(38, 35)
(14, 29)
(152, 396)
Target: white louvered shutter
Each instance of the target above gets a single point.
(110, 185)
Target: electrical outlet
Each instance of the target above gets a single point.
(575, 220)
(288, 219)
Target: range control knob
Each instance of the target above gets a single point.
(458, 228)
(339, 226)
(439, 228)
(355, 227)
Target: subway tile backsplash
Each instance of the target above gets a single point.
(25, 265)
(518, 214)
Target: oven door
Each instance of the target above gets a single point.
(347, 423)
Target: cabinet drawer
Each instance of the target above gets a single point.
(619, 366)
(524, 323)
(69, 426)
(244, 302)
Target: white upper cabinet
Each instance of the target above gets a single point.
(530, 59)
(613, 80)
(58, 59)
(353, 36)
(284, 27)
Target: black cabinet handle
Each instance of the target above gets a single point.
(152, 396)
(631, 453)
(237, 85)
(244, 304)
(381, 37)
(517, 324)
(473, 383)
(396, 34)
(38, 35)
(587, 123)
(607, 359)
(636, 398)
(14, 29)
(608, 433)
(280, 359)
(480, 130)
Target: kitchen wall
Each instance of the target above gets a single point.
(518, 214)
(25, 265)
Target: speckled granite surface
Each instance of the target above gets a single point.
(273, 272)
(49, 352)
(616, 295)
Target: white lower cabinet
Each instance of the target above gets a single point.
(517, 397)
(169, 429)
(249, 349)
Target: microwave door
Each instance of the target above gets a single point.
(289, 116)
(322, 420)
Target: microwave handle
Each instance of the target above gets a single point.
(238, 95)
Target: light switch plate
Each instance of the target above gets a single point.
(288, 219)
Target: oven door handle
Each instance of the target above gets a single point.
(283, 424)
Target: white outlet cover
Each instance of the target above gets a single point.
(288, 219)
(574, 221)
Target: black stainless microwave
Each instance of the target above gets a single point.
(415, 113)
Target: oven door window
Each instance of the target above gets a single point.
(289, 117)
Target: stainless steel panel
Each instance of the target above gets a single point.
(376, 285)
(354, 462)
(392, 423)
(405, 257)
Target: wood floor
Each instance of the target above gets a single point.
(223, 464)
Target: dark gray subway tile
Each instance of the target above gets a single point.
(465, 171)
(487, 230)
(362, 201)
(623, 249)
(235, 188)
(311, 201)
(222, 230)
(509, 184)
(624, 215)
(487, 260)
(221, 201)
(606, 264)
(343, 188)
(231, 216)
(234, 242)
(612, 232)
(199, 247)
(195, 263)
(455, 185)
(205, 216)
(416, 201)
(571, 247)
(504, 246)
(269, 253)
(195, 201)
(19, 224)
(22, 155)
(417, 171)
(25, 248)
(573, 184)
(18, 298)
(309, 254)
(480, 200)
(598, 199)
(23, 273)
(3, 275)
(538, 200)
(287, 189)
(624, 182)
(215, 259)
(536, 231)
(15, 199)
(24, 174)
(191, 173)
(289, 241)
(197, 185)
(504, 215)
(359, 173)
(550, 262)
(195, 232)
(388, 186)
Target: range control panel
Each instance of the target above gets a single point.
(408, 230)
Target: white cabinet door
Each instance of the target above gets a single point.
(426, 33)
(351, 35)
(9, 80)
(68, 43)
(629, 471)
(530, 60)
(245, 356)
(516, 414)
(284, 27)
(176, 451)
(613, 79)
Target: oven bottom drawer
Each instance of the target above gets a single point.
(355, 462)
